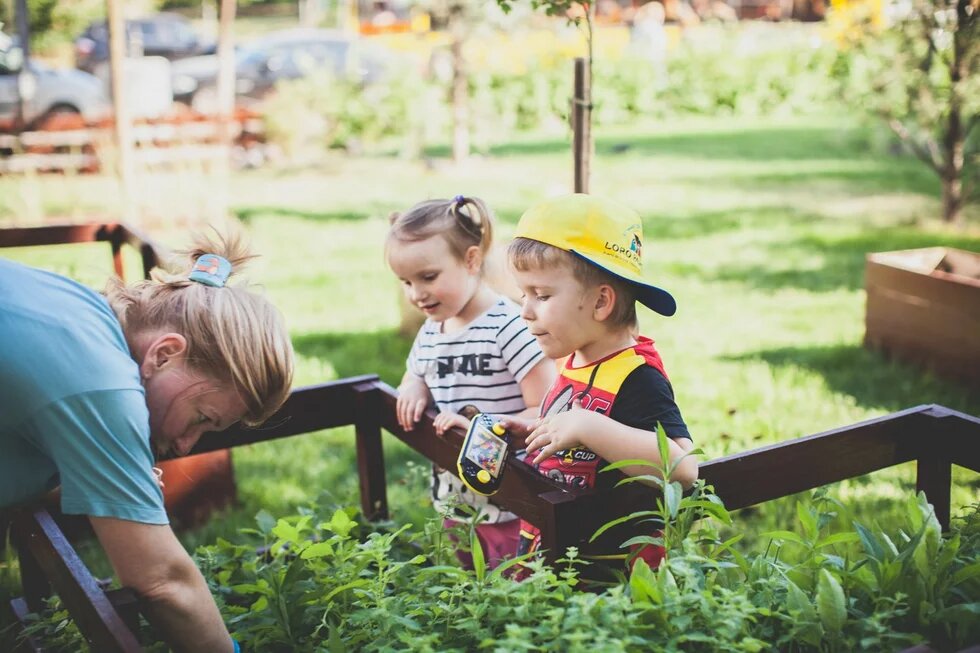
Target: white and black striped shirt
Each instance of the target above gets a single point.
(481, 365)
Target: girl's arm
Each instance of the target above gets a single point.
(413, 398)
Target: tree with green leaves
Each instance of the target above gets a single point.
(921, 75)
(579, 13)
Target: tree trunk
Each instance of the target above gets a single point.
(955, 136)
(953, 200)
(460, 90)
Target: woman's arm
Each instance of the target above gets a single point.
(173, 595)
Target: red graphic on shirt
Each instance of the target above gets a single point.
(579, 467)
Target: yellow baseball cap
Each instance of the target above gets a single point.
(603, 232)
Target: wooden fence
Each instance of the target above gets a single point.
(158, 144)
(933, 436)
(115, 234)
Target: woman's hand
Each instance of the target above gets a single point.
(445, 421)
(413, 397)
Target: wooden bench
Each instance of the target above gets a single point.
(933, 436)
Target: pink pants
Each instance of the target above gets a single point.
(499, 541)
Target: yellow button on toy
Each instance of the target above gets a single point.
(483, 476)
(498, 429)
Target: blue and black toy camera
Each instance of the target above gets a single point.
(484, 453)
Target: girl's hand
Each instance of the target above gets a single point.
(561, 432)
(445, 421)
(413, 397)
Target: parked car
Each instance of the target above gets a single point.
(286, 54)
(162, 35)
(51, 90)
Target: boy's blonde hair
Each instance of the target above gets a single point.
(526, 254)
(462, 221)
(233, 333)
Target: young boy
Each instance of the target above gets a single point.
(577, 259)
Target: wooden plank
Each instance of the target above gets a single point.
(66, 138)
(27, 643)
(313, 408)
(793, 466)
(178, 153)
(522, 487)
(96, 618)
(61, 234)
(949, 290)
(52, 235)
(27, 162)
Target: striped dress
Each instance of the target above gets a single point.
(480, 365)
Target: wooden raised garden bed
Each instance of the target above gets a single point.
(924, 308)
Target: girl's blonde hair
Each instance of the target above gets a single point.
(462, 221)
(233, 333)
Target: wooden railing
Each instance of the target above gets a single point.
(113, 233)
(933, 436)
(167, 142)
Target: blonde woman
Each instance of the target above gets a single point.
(93, 388)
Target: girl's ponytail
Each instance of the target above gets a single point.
(474, 216)
(462, 221)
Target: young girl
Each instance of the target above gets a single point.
(473, 349)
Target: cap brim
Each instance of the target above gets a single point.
(654, 298)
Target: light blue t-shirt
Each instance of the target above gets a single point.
(72, 409)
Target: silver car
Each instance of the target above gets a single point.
(48, 91)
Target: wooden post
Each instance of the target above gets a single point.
(32, 579)
(24, 33)
(581, 124)
(226, 103)
(933, 477)
(370, 455)
(120, 107)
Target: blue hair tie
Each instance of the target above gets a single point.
(211, 270)
(459, 199)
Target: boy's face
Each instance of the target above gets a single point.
(557, 309)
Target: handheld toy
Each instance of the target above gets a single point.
(481, 459)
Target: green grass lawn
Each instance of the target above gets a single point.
(759, 227)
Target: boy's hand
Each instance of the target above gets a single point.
(518, 427)
(413, 397)
(445, 421)
(562, 431)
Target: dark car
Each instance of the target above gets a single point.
(52, 90)
(162, 35)
(287, 54)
